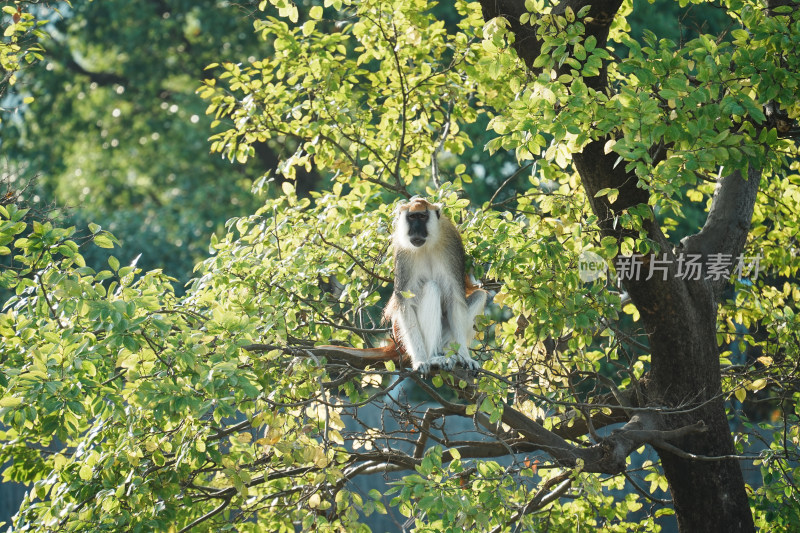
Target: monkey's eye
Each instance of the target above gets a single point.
(422, 216)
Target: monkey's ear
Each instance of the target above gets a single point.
(400, 207)
(438, 208)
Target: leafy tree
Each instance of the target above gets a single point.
(19, 46)
(111, 125)
(216, 410)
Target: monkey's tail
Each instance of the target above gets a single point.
(471, 285)
(362, 357)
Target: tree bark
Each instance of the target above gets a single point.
(679, 315)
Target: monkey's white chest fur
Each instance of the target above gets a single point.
(431, 270)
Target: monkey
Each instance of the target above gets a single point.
(434, 304)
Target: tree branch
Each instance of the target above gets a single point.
(542, 497)
(572, 428)
(209, 515)
(606, 457)
(728, 221)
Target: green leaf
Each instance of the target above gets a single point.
(103, 241)
(85, 472)
(10, 401)
(740, 394)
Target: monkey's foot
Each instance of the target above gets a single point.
(466, 362)
(436, 362)
(424, 369)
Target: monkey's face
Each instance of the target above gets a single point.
(417, 223)
(418, 227)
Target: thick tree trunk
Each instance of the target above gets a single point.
(708, 495)
(680, 317)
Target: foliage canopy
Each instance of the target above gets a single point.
(108, 124)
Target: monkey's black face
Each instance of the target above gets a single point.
(417, 227)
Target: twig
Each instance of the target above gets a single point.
(356, 261)
(47, 300)
(430, 414)
(541, 498)
(511, 177)
(434, 163)
(208, 515)
(644, 493)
